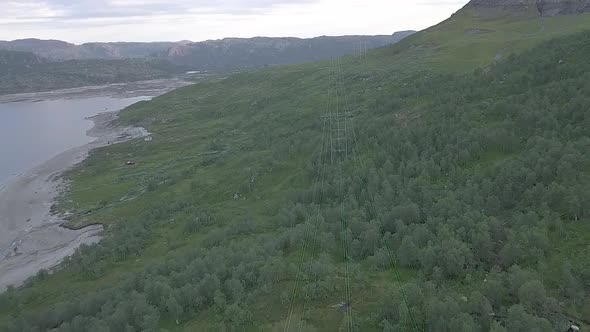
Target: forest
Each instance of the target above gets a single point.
(453, 202)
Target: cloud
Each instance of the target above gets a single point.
(117, 9)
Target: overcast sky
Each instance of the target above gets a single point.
(81, 21)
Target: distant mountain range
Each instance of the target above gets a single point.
(256, 52)
(226, 53)
(29, 65)
(58, 50)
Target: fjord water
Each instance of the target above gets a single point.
(32, 132)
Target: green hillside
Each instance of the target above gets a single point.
(454, 199)
(471, 39)
(42, 75)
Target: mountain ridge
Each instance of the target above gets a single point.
(544, 8)
(57, 50)
(263, 51)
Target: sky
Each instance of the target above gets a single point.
(80, 21)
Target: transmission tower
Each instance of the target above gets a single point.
(338, 120)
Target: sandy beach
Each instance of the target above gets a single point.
(31, 237)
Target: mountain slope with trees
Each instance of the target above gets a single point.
(457, 203)
(31, 73)
(16, 58)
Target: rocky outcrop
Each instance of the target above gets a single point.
(503, 4)
(540, 7)
(562, 7)
(178, 51)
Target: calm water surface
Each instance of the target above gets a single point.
(34, 132)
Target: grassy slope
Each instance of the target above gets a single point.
(187, 124)
(239, 116)
(453, 45)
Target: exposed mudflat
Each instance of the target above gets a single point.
(120, 90)
(31, 237)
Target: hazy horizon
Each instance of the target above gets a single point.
(196, 41)
(156, 20)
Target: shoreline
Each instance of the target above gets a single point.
(31, 236)
(151, 88)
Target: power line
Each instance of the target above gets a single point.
(322, 168)
(343, 147)
(372, 204)
(307, 229)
